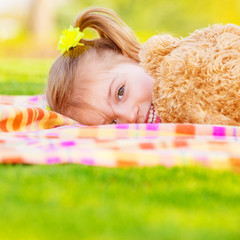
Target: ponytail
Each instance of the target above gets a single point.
(113, 31)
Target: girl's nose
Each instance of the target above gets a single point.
(128, 115)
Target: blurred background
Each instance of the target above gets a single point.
(30, 28)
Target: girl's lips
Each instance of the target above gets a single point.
(151, 116)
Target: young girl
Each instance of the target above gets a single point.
(100, 81)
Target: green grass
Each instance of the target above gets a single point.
(23, 76)
(93, 203)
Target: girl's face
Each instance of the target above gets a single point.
(121, 95)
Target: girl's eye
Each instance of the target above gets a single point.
(120, 92)
(114, 122)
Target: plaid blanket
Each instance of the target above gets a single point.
(31, 134)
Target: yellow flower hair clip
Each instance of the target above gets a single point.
(48, 108)
(70, 38)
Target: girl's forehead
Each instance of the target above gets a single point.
(98, 80)
(92, 96)
(97, 112)
(91, 109)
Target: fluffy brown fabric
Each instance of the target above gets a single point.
(197, 78)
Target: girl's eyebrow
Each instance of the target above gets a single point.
(110, 87)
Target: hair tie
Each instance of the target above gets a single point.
(70, 38)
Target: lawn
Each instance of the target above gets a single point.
(94, 203)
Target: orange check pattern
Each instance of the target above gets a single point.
(30, 134)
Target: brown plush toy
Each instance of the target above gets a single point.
(197, 78)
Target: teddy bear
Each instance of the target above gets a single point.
(197, 78)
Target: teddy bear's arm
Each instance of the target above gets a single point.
(219, 119)
(190, 112)
(206, 117)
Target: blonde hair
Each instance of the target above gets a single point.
(115, 38)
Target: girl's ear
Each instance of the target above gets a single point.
(155, 49)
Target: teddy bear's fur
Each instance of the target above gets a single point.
(197, 78)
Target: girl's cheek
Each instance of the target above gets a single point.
(147, 87)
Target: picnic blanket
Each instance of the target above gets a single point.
(31, 134)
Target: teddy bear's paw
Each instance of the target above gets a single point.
(158, 45)
(229, 28)
(154, 50)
